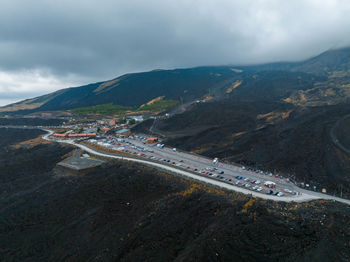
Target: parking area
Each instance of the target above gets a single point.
(255, 180)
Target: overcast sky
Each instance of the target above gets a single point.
(47, 45)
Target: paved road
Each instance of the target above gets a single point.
(201, 162)
(304, 197)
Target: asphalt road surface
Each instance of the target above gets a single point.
(302, 196)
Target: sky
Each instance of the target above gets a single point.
(46, 45)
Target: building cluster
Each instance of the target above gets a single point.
(122, 122)
(104, 126)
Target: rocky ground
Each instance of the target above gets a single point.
(342, 132)
(26, 121)
(279, 137)
(127, 212)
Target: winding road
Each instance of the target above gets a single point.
(305, 195)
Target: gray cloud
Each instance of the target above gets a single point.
(97, 40)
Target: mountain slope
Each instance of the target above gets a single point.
(129, 212)
(324, 79)
(328, 63)
(133, 89)
(293, 140)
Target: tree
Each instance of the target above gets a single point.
(132, 122)
(122, 121)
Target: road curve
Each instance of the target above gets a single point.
(305, 196)
(300, 198)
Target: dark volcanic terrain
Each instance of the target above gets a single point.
(276, 117)
(21, 121)
(285, 117)
(127, 212)
(271, 136)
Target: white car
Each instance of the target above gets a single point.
(280, 194)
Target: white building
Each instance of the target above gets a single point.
(138, 118)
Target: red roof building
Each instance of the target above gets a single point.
(75, 135)
(152, 140)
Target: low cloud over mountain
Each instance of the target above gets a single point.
(95, 40)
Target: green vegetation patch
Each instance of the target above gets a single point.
(111, 109)
(105, 109)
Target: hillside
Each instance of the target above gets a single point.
(276, 120)
(334, 62)
(128, 212)
(271, 136)
(323, 79)
(330, 81)
(324, 64)
(133, 89)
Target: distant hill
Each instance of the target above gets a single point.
(133, 89)
(330, 63)
(325, 64)
(322, 79)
